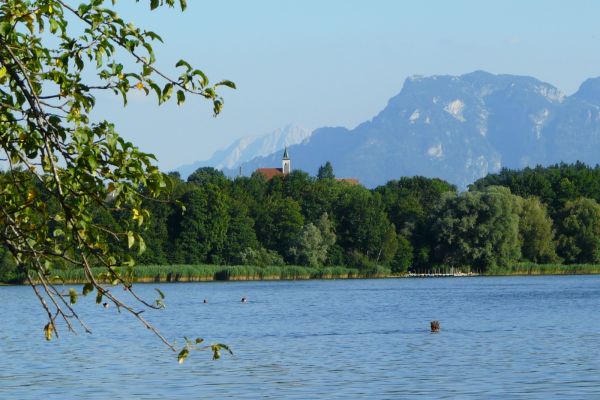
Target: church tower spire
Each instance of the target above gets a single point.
(286, 164)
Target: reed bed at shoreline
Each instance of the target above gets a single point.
(200, 273)
(206, 272)
(517, 269)
(527, 268)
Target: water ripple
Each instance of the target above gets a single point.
(508, 338)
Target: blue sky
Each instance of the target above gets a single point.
(337, 62)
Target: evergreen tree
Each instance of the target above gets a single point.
(203, 226)
(326, 171)
(240, 233)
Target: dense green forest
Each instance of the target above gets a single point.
(542, 215)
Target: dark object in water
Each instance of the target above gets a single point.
(435, 326)
(105, 305)
(244, 299)
(205, 301)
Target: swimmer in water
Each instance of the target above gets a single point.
(105, 305)
(244, 299)
(205, 301)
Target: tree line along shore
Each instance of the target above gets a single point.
(543, 220)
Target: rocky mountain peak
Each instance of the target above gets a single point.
(589, 91)
(458, 128)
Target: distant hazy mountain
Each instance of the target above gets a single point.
(458, 128)
(249, 147)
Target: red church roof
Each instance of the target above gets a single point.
(269, 173)
(352, 181)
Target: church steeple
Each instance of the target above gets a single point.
(286, 164)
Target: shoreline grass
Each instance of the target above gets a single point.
(206, 272)
(203, 273)
(528, 268)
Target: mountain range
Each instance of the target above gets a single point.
(458, 128)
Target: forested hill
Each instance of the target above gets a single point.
(458, 128)
(543, 215)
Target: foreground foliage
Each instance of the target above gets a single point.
(64, 168)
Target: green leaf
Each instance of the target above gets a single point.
(160, 293)
(5, 27)
(48, 329)
(227, 83)
(167, 92)
(217, 107)
(99, 297)
(183, 4)
(153, 4)
(180, 97)
(183, 354)
(53, 26)
(199, 340)
(184, 63)
(72, 296)
(130, 239)
(210, 93)
(142, 245)
(225, 347)
(216, 351)
(87, 289)
(157, 90)
(153, 36)
(203, 77)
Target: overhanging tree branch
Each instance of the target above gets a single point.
(63, 169)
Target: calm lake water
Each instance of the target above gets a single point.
(514, 337)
